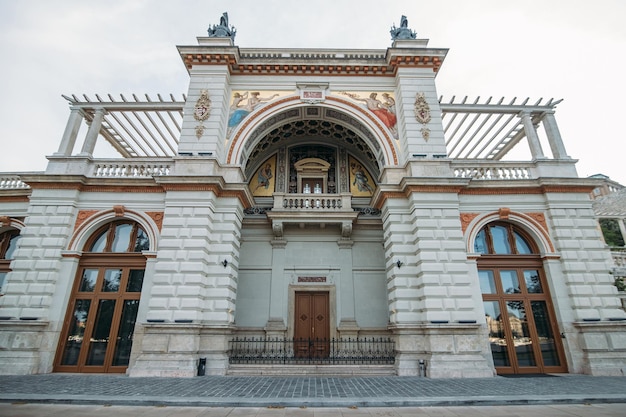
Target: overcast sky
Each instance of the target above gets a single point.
(563, 49)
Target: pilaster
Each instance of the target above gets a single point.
(35, 296)
(432, 296)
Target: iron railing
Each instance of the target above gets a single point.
(361, 351)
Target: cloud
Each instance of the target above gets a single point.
(566, 49)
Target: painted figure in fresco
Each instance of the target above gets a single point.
(264, 176)
(389, 103)
(254, 100)
(237, 113)
(360, 179)
(379, 109)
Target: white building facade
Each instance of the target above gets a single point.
(307, 211)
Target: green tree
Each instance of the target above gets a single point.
(612, 234)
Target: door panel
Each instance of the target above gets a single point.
(312, 325)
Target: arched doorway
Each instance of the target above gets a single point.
(99, 325)
(523, 332)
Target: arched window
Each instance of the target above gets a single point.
(518, 308)
(502, 239)
(100, 322)
(119, 237)
(8, 244)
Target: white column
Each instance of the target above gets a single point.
(554, 137)
(92, 133)
(622, 228)
(531, 135)
(71, 131)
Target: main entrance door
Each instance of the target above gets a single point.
(312, 325)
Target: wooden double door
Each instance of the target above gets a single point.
(312, 325)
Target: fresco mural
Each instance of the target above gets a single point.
(262, 183)
(245, 102)
(384, 109)
(361, 183)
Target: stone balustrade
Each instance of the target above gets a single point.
(312, 202)
(126, 169)
(619, 258)
(489, 171)
(12, 182)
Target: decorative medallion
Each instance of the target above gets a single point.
(422, 114)
(202, 111)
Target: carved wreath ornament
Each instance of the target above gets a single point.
(201, 111)
(422, 114)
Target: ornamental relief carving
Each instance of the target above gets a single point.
(82, 216)
(422, 114)
(202, 111)
(466, 219)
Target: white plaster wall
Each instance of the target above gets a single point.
(311, 251)
(253, 298)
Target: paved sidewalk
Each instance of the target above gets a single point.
(551, 410)
(260, 391)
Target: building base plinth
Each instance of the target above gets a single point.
(604, 346)
(21, 347)
(442, 351)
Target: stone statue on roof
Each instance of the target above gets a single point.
(403, 32)
(222, 30)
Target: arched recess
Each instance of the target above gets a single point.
(94, 220)
(510, 250)
(334, 110)
(533, 224)
(98, 329)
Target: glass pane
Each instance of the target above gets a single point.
(135, 280)
(88, 280)
(523, 248)
(122, 238)
(141, 243)
(480, 244)
(496, 334)
(521, 336)
(533, 284)
(3, 276)
(499, 235)
(100, 244)
(112, 278)
(100, 337)
(487, 282)
(12, 247)
(544, 331)
(125, 334)
(510, 284)
(76, 332)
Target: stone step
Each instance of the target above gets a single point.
(312, 370)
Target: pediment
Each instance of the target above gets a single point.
(312, 165)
